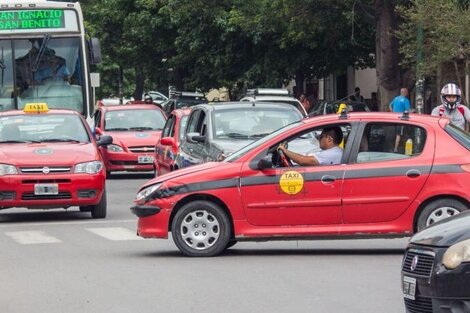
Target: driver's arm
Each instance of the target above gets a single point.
(300, 159)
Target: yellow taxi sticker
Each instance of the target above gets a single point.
(35, 108)
(291, 182)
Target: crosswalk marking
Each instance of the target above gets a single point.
(115, 233)
(32, 237)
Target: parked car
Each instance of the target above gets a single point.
(158, 97)
(181, 99)
(332, 107)
(436, 265)
(216, 130)
(273, 95)
(167, 147)
(50, 160)
(253, 195)
(135, 129)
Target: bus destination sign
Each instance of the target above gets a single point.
(31, 19)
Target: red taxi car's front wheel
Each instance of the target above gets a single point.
(201, 228)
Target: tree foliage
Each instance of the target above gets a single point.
(213, 43)
(445, 36)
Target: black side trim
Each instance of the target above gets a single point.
(145, 210)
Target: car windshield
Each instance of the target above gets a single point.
(251, 122)
(42, 128)
(238, 154)
(125, 120)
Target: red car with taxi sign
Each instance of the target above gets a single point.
(49, 159)
(377, 191)
(167, 147)
(135, 129)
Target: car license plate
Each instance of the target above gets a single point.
(145, 159)
(46, 189)
(409, 287)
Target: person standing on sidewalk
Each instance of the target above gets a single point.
(400, 104)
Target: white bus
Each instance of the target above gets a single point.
(45, 56)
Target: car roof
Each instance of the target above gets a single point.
(375, 116)
(50, 111)
(217, 106)
(142, 106)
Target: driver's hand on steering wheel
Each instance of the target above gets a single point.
(282, 146)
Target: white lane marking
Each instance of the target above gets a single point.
(32, 237)
(14, 224)
(115, 233)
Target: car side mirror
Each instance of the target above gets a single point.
(195, 137)
(167, 141)
(104, 141)
(265, 162)
(98, 131)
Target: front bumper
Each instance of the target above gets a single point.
(442, 290)
(127, 161)
(73, 190)
(153, 221)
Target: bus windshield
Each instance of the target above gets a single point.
(41, 69)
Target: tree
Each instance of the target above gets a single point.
(445, 41)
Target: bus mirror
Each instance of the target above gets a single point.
(95, 50)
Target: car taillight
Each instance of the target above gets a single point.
(465, 167)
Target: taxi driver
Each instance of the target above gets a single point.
(330, 153)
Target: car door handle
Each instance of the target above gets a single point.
(413, 173)
(328, 179)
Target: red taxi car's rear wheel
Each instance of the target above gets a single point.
(201, 228)
(438, 210)
(99, 210)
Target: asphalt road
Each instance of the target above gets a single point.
(57, 261)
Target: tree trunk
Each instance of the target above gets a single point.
(388, 72)
(139, 83)
(299, 82)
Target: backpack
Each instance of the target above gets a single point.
(459, 107)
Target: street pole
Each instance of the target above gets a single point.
(419, 79)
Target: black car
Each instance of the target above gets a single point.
(182, 99)
(216, 130)
(436, 267)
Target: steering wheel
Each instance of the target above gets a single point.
(284, 160)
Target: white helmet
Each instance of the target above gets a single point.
(452, 90)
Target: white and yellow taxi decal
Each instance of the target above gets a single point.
(291, 182)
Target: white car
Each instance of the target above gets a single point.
(273, 95)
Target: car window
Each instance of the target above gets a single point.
(43, 128)
(182, 126)
(168, 129)
(122, 120)
(251, 123)
(459, 135)
(390, 141)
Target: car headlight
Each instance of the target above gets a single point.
(7, 169)
(89, 167)
(457, 254)
(142, 195)
(115, 148)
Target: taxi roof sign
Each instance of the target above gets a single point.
(36, 108)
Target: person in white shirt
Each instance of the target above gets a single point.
(451, 96)
(331, 153)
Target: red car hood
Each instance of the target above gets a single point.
(183, 171)
(47, 153)
(135, 138)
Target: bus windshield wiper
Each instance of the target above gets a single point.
(42, 50)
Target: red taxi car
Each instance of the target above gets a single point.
(167, 147)
(135, 129)
(49, 159)
(376, 190)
